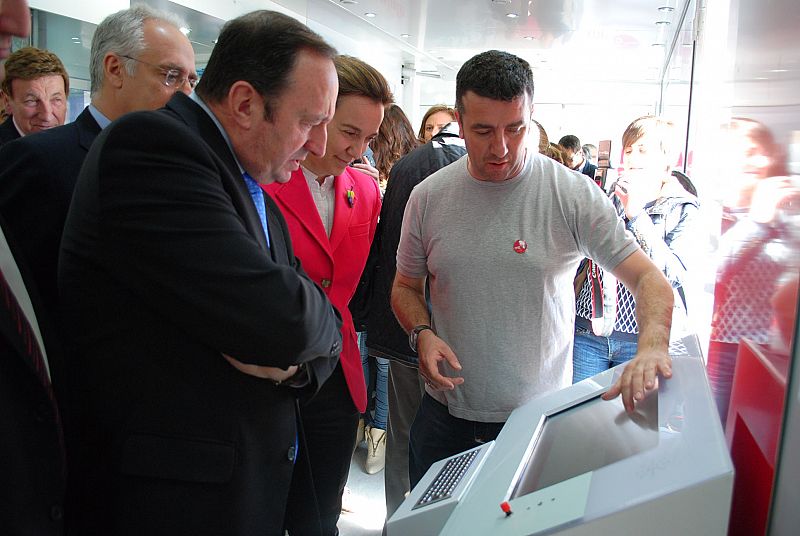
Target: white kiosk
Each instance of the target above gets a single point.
(571, 463)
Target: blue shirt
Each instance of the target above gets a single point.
(256, 193)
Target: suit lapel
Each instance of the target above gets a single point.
(233, 183)
(88, 129)
(342, 208)
(295, 198)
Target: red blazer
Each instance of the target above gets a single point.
(335, 263)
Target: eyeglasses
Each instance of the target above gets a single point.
(172, 77)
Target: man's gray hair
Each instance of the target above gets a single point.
(123, 34)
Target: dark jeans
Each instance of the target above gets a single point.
(329, 422)
(436, 435)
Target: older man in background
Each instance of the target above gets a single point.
(32, 462)
(139, 59)
(34, 93)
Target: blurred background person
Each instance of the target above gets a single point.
(34, 93)
(546, 147)
(590, 153)
(758, 252)
(434, 120)
(661, 215)
(573, 155)
(386, 338)
(395, 138)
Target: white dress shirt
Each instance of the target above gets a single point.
(323, 197)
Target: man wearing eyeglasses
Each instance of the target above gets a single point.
(139, 59)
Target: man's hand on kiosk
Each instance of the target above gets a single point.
(432, 350)
(640, 376)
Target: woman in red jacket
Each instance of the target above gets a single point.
(332, 211)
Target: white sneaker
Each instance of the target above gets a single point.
(376, 450)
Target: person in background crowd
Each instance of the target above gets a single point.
(196, 328)
(473, 231)
(395, 138)
(573, 156)
(662, 216)
(758, 252)
(32, 457)
(332, 211)
(34, 93)
(546, 147)
(590, 153)
(386, 338)
(434, 120)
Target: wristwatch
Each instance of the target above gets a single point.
(414, 335)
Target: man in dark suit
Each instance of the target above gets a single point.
(34, 92)
(32, 470)
(196, 327)
(38, 173)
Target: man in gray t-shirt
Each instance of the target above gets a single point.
(499, 235)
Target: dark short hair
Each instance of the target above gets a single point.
(260, 48)
(494, 74)
(571, 142)
(30, 63)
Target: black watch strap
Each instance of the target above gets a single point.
(414, 335)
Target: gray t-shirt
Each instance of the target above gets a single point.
(501, 258)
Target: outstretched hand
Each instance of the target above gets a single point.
(432, 351)
(640, 375)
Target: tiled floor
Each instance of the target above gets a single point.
(366, 499)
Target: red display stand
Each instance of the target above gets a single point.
(752, 432)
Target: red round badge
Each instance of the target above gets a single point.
(520, 246)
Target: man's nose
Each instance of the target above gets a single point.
(186, 87)
(317, 139)
(499, 145)
(45, 108)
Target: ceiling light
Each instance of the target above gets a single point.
(779, 70)
(405, 36)
(512, 15)
(528, 38)
(663, 23)
(348, 1)
(666, 9)
(369, 14)
(184, 30)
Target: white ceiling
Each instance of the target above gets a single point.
(587, 39)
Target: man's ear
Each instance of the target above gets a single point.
(245, 105)
(113, 66)
(460, 125)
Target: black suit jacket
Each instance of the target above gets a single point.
(588, 169)
(37, 176)
(31, 470)
(164, 268)
(8, 132)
